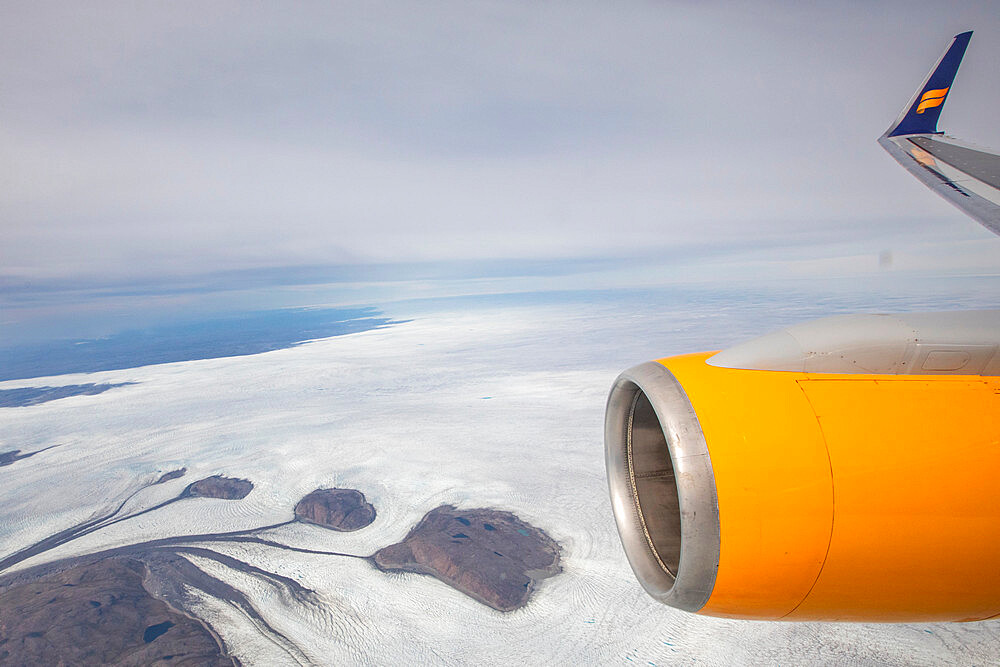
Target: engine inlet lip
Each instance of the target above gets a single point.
(691, 586)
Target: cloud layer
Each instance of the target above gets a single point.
(140, 139)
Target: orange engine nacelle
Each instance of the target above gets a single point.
(803, 495)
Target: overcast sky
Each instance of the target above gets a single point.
(144, 139)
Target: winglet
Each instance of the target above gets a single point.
(921, 115)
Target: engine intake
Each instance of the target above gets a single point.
(662, 487)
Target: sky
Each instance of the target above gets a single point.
(143, 141)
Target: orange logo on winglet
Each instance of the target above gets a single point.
(932, 98)
(922, 156)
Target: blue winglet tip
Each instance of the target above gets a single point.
(922, 115)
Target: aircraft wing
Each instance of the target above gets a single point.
(965, 175)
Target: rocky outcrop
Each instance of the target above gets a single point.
(173, 474)
(339, 509)
(99, 614)
(490, 555)
(217, 486)
(6, 458)
(25, 396)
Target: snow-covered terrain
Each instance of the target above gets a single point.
(493, 406)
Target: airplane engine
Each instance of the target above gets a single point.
(844, 469)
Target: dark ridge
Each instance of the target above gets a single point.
(68, 628)
(7, 458)
(25, 396)
(498, 566)
(61, 537)
(217, 486)
(173, 474)
(340, 509)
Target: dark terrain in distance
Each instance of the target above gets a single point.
(248, 333)
(9, 457)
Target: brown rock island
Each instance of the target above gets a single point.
(340, 509)
(99, 614)
(217, 486)
(173, 474)
(490, 555)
